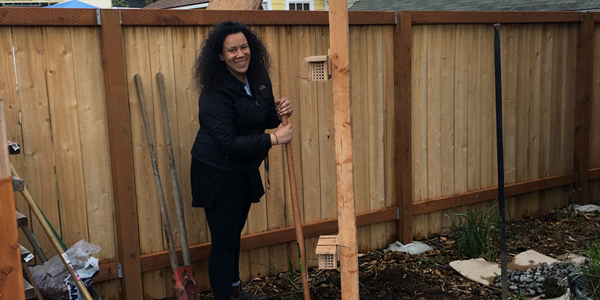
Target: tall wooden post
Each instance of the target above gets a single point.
(11, 272)
(583, 98)
(340, 62)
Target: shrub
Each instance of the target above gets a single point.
(476, 234)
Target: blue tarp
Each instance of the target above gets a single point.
(72, 4)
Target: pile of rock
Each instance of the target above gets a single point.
(547, 281)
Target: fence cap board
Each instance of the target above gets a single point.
(48, 16)
(490, 17)
(161, 17)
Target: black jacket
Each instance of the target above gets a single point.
(232, 126)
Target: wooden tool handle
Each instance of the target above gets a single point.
(38, 214)
(297, 217)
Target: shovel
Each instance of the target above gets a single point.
(180, 275)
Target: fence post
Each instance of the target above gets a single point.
(402, 125)
(583, 97)
(121, 153)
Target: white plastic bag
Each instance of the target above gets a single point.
(54, 280)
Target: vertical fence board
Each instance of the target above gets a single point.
(461, 110)
(185, 42)
(522, 138)
(419, 125)
(326, 139)
(595, 118)
(389, 132)
(12, 109)
(447, 116)
(65, 134)
(149, 220)
(488, 171)
(434, 118)
(376, 143)
(545, 108)
(359, 62)
(310, 140)
(37, 135)
(509, 93)
(93, 133)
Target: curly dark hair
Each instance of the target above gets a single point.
(209, 70)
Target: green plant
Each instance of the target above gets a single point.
(291, 275)
(590, 274)
(476, 234)
(571, 212)
(519, 296)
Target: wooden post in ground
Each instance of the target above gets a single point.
(340, 62)
(583, 99)
(121, 154)
(11, 272)
(402, 125)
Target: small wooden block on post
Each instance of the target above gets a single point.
(18, 184)
(327, 251)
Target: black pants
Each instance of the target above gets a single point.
(225, 224)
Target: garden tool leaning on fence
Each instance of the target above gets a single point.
(185, 287)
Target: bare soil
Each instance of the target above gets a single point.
(392, 275)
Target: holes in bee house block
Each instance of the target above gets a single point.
(327, 251)
(319, 67)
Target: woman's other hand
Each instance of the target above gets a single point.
(284, 107)
(282, 135)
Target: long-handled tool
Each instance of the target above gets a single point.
(55, 243)
(297, 217)
(184, 276)
(161, 196)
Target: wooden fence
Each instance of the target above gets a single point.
(422, 112)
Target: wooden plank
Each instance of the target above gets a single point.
(158, 260)
(509, 42)
(137, 52)
(376, 145)
(196, 221)
(154, 17)
(160, 48)
(49, 17)
(309, 126)
(121, 154)
(487, 109)
(461, 17)
(545, 108)
(37, 134)
(594, 174)
(522, 110)
(93, 134)
(595, 105)
(447, 118)
(275, 195)
(288, 62)
(108, 289)
(389, 128)
(419, 125)
(535, 69)
(483, 195)
(326, 135)
(461, 109)
(340, 62)
(360, 129)
(234, 5)
(583, 98)
(12, 111)
(403, 126)
(11, 281)
(65, 133)
(473, 116)
(434, 123)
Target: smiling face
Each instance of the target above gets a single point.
(236, 55)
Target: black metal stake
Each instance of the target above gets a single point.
(500, 145)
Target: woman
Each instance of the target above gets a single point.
(236, 106)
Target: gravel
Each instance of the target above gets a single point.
(547, 281)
